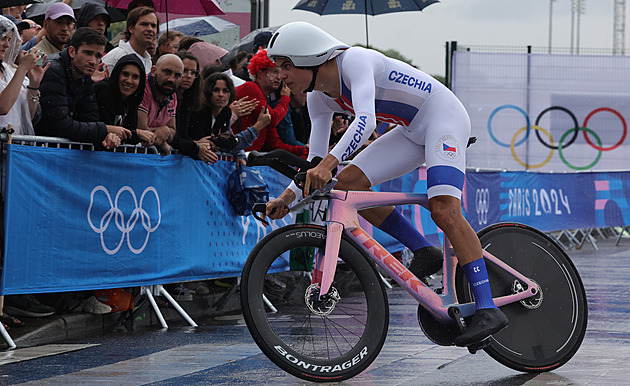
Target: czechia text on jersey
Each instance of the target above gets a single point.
(399, 77)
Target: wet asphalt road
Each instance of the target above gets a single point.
(222, 352)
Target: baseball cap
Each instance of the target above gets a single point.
(22, 25)
(261, 39)
(57, 10)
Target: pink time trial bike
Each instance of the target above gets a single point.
(331, 307)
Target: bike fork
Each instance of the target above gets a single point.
(326, 263)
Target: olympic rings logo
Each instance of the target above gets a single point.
(549, 143)
(125, 227)
(482, 198)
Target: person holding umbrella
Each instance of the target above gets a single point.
(433, 127)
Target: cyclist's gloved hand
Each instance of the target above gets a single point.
(277, 208)
(316, 178)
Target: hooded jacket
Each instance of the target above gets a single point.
(112, 108)
(89, 11)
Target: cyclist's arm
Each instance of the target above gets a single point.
(321, 117)
(359, 70)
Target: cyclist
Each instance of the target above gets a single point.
(433, 127)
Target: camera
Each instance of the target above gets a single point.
(225, 140)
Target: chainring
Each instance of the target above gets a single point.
(439, 333)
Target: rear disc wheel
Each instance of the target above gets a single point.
(546, 329)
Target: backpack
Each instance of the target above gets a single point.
(246, 187)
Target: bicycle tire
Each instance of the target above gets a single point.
(546, 330)
(318, 348)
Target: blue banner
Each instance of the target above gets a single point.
(548, 201)
(78, 220)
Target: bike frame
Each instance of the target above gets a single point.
(342, 217)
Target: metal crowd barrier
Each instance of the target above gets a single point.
(64, 143)
(577, 238)
(6, 137)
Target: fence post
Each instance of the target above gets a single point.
(451, 47)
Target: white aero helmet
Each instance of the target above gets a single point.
(304, 44)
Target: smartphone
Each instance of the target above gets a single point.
(40, 61)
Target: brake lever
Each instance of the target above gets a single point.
(317, 195)
(260, 208)
(299, 179)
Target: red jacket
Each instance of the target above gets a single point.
(268, 138)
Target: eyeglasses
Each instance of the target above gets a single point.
(193, 73)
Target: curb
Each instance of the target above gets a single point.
(60, 328)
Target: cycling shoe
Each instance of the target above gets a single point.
(426, 261)
(484, 323)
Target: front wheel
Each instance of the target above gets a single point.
(323, 339)
(545, 330)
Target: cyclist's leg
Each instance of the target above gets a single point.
(446, 136)
(373, 166)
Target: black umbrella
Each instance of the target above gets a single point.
(246, 43)
(362, 7)
(15, 3)
(36, 11)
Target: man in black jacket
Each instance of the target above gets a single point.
(68, 102)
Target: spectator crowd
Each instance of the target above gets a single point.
(164, 92)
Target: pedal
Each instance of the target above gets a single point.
(473, 348)
(456, 314)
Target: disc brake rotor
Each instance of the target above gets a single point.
(531, 302)
(321, 306)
